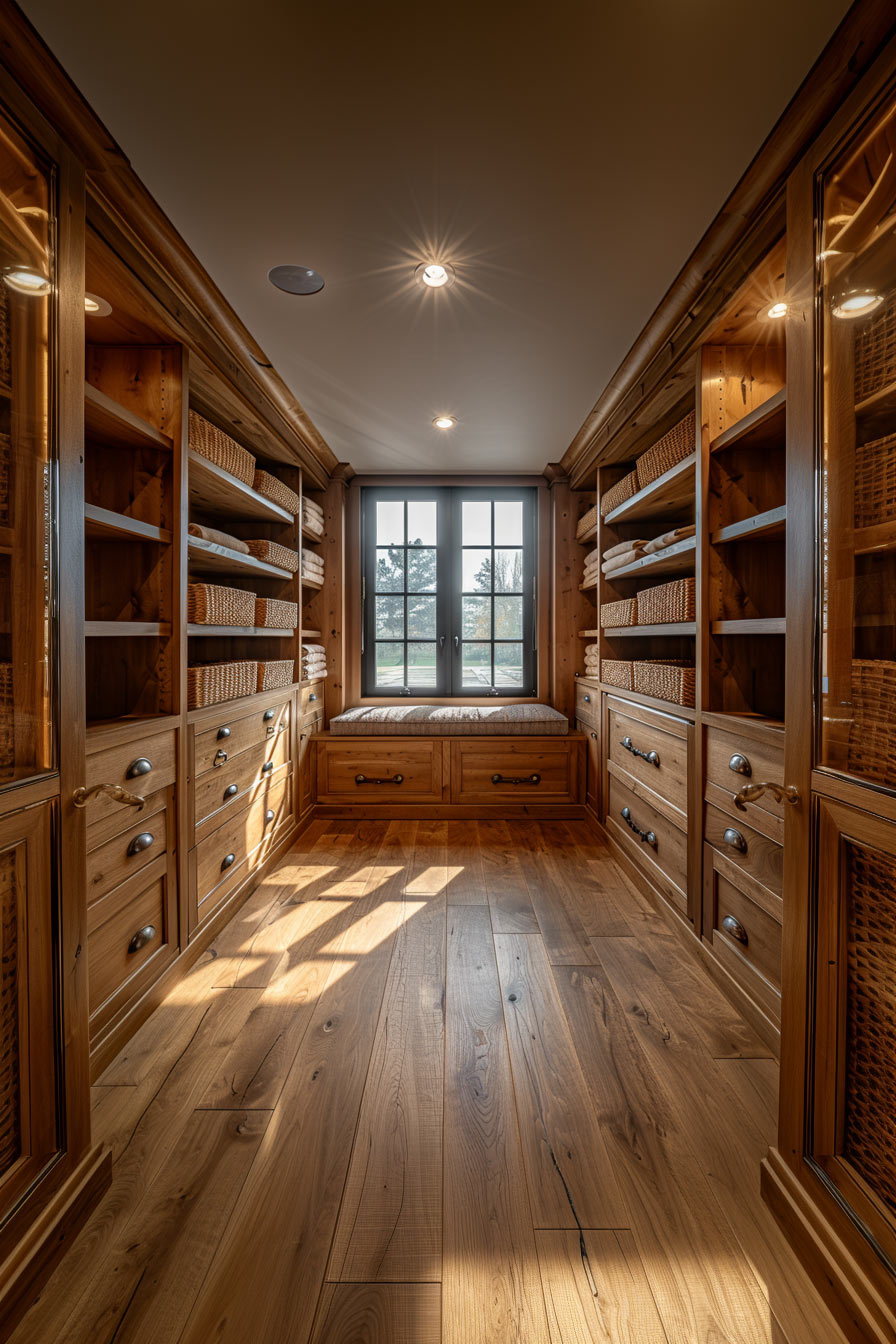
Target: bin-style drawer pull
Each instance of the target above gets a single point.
(740, 764)
(269, 816)
(227, 861)
(649, 837)
(140, 842)
(734, 838)
(220, 758)
(222, 733)
(267, 767)
(231, 790)
(141, 766)
(368, 779)
(268, 715)
(594, 735)
(735, 929)
(651, 757)
(516, 779)
(312, 696)
(142, 937)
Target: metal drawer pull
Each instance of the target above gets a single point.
(516, 779)
(312, 696)
(220, 758)
(594, 735)
(650, 757)
(735, 840)
(365, 779)
(269, 816)
(142, 937)
(267, 767)
(268, 715)
(231, 790)
(81, 797)
(735, 929)
(222, 733)
(740, 765)
(137, 768)
(648, 836)
(139, 843)
(227, 860)
(782, 793)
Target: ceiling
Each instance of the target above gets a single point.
(564, 157)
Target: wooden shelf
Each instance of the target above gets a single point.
(667, 706)
(588, 587)
(762, 428)
(674, 628)
(760, 625)
(108, 422)
(588, 634)
(215, 491)
(879, 538)
(677, 559)
(308, 582)
(207, 557)
(104, 525)
(241, 630)
(880, 403)
(589, 536)
(134, 629)
(663, 498)
(311, 634)
(768, 525)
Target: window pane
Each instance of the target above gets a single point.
(390, 665)
(508, 571)
(390, 522)
(476, 622)
(476, 660)
(477, 523)
(422, 522)
(421, 617)
(422, 571)
(508, 522)
(390, 618)
(477, 572)
(390, 570)
(422, 664)
(508, 664)
(508, 618)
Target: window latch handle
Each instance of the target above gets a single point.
(457, 641)
(441, 641)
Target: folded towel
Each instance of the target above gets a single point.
(623, 548)
(314, 648)
(668, 539)
(312, 506)
(218, 538)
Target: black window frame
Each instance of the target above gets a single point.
(449, 605)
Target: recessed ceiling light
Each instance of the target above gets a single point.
(94, 306)
(296, 279)
(856, 302)
(24, 280)
(444, 422)
(777, 310)
(434, 274)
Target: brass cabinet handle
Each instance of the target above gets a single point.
(740, 765)
(782, 793)
(516, 779)
(735, 929)
(227, 860)
(220, 758)
(365, 779)
(141, 766)
(139, 843)
(222, 733)
(734, 838)
(82, 796)
(651, 757)
(141, 938)
(231, 790)
(649, 837)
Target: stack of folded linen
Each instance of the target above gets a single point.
(314, 662)
(592, 568)
(592, 660)
(211, 534)
(626, 553)
(313, 516)
(670, 538)
(312, 566)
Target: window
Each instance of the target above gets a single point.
(448, 591)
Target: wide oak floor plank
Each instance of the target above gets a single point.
(565, 941)
(505, 885)
(596, 1289)
(466, 883)
(379, 1313)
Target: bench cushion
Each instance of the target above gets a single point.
(449, 721)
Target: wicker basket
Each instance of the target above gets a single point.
(617, 672)
(671, 680)
(7, 723)
(209, 441)
(10, 986)
(586, 523)
(275, 554)
(273, 489)
(273, 676)
(209, 683)
(618, 494)
(872, 735)
(668, 603)
(875, 481)
(615, 614)
(875, 351)
(213, 604)
(668, 451)
(272, 611)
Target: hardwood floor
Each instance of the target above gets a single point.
(437, 1081)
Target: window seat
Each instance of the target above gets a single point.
(450, 721)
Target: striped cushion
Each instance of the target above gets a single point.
(450, 721)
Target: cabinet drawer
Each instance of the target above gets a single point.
(140, 766)
(129, 941)
(230, 844)
(649, 752)
(497, 771)
(760, 760)
(587, 703)
(312, 697)
(749, 850)
(745, 939)
(662, 853)
(228, 737)
(128, 851)
(227, 785)
(391, 771)
(592, 762)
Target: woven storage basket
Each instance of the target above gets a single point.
(209, 441)
(272, 676)
(7, 722)
(209, 683)
(668, 603)
(273, 489)
(10, 972)
(618, 494)
(872, 734)
(875, 351)
(5, 341)
(213, 604)
(617, 672)
(615, 614)
(671, 680)
(668, 451)
(586, 522)
(875, 481)
(273, 611)
(275, 554)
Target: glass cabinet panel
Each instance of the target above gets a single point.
(858, 311)
(27, 314)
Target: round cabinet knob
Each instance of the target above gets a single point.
(587, 698)
(227, 861)
(735, 929)
(740, 765)
(141, 938)
(222, 733)
(141, 766)
(312, 696)
(139, 843)
(594, 735)
(269, 816)
(735, 840)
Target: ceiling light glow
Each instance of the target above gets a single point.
(434, 274)
(26, 281)
(777, 310)
(856, 303)
(444, 422)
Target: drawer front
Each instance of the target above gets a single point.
(214, 746)
(141, 766)
(749, 850)
(745, 939)
(129, 942)
(418, 766)
(312, 697)
(228, 846)
(505, 772)
(227, 786)
(649, 753)
(761, 760)
(592, 762)
(587, 703)
(313, 721)
(663, 850)
(120, 819)
(126, 853)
